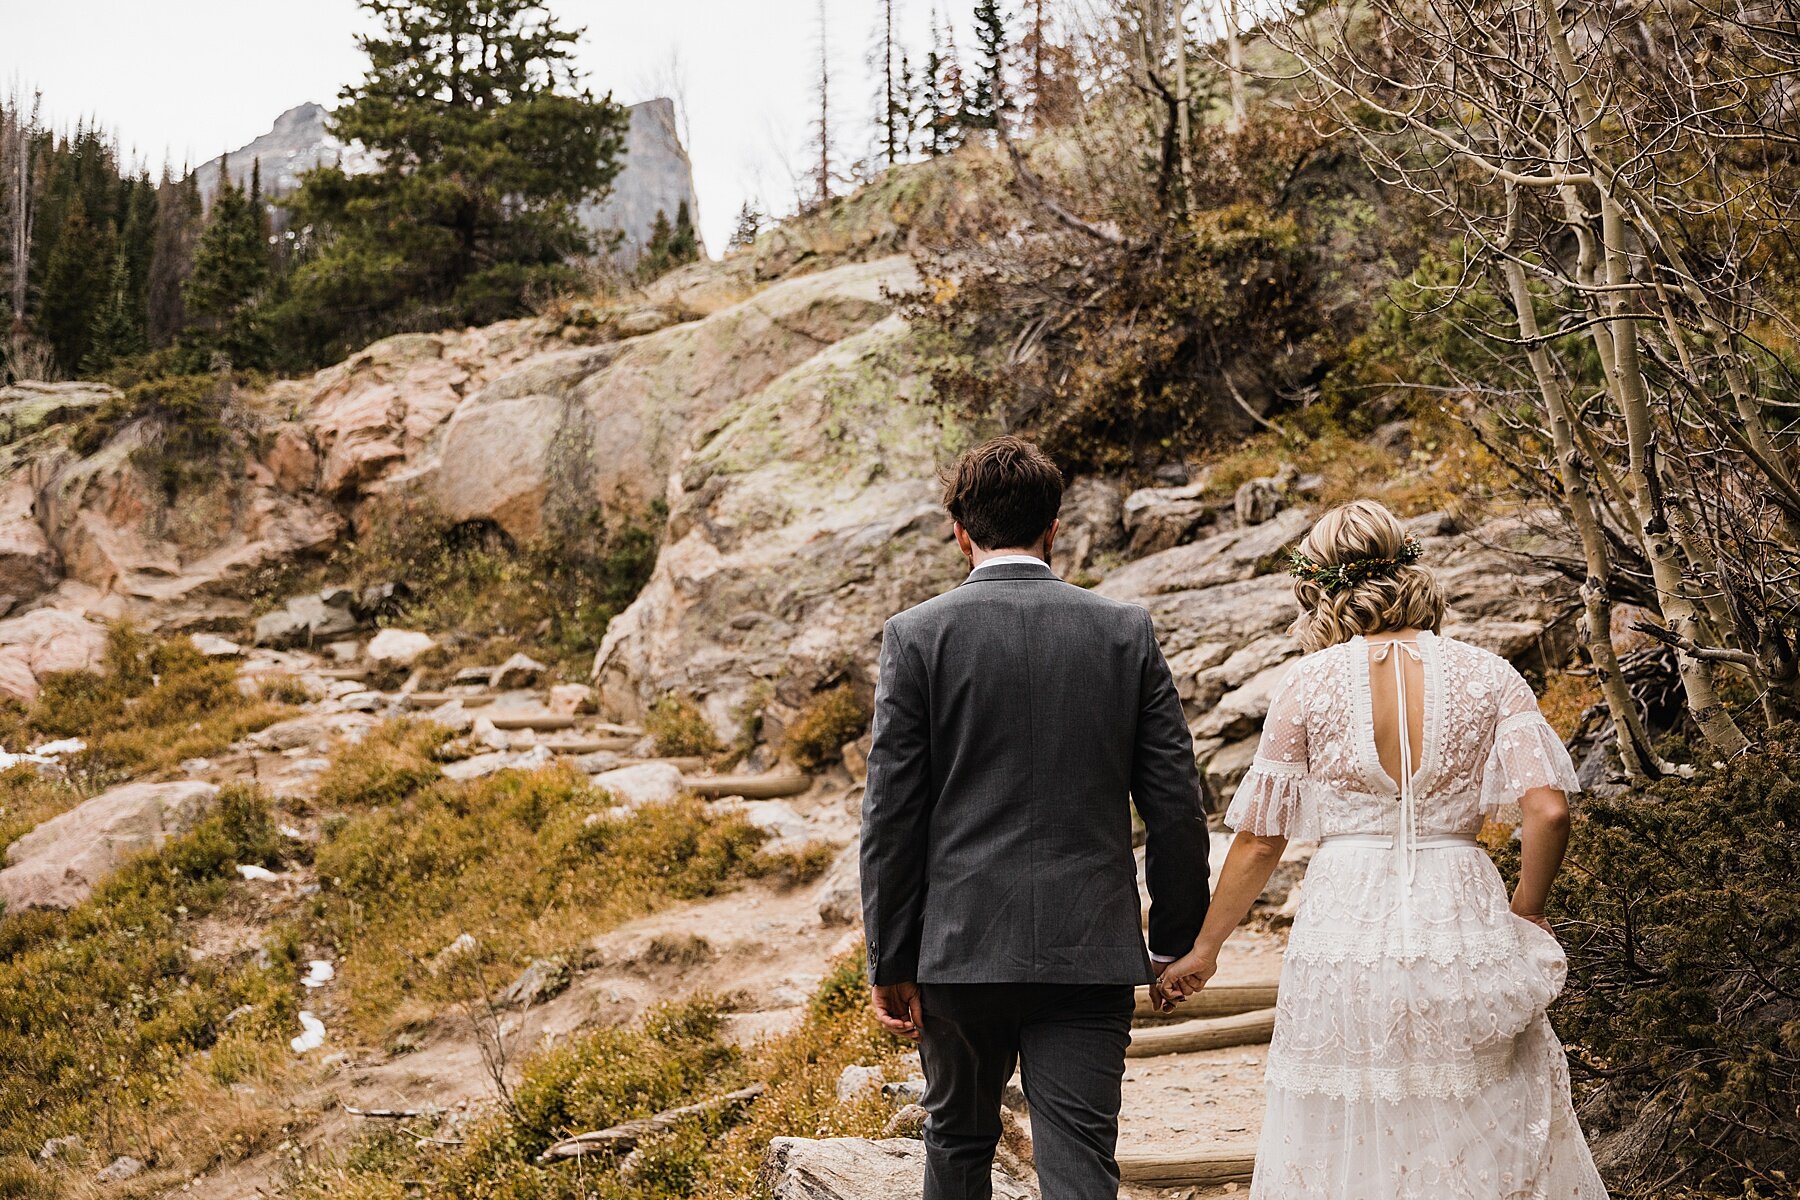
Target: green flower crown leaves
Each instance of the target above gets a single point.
(1335, 577)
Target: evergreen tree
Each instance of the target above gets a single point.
(231, 265)
(118, 330)
(1051, 86)
(656, 258)
(684, 242)
(178, 216)
(75, 272)
(988, 99)
(890, 113)
(487, 145)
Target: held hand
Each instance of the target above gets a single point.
(898, 1009)
(1187, 975)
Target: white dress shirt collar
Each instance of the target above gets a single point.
(1006, 560)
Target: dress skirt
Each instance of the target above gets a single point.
(1412, 1058)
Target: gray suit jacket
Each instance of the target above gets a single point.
(1013, 717)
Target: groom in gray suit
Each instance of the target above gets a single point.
(1014, 716)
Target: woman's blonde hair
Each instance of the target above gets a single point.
(1395, 594)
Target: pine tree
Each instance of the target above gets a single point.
(118, 330)
(75, 272)
(231, 265)
(488, 144)
(178, 216)
(684, 242)
(1052, 90)
(988, 99)
(656, 259)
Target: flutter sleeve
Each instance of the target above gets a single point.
(1526, 754)
(1268, 802)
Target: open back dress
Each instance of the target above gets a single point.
(1412, 1058)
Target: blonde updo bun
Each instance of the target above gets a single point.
(1405, 597)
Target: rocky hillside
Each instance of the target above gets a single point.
(677, 819)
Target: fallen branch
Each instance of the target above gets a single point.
(1034, 189)
(623, 1138)
(390, 1114)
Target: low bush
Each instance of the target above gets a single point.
(153, 704)
(1683, 1004)
(816, 738)
(104, 1015)
(552, 597)
(675, 1056)
(679, 728)
(512, 861)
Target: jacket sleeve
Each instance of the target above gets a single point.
(897, 803)
(1165, 786)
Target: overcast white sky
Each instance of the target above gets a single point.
(187, 79)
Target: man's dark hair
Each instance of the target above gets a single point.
(1005, 493)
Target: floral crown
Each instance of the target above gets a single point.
(1335, 577)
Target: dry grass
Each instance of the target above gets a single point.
(675, 1056)
(512, 860)
(28, 799)
(1448, 470)
(816, 738)
(679, 728)
(152, 706)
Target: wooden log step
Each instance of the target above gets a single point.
(593, 745)
(542, 722)
(1189, 1168)
(438, 699)
(1218, 1000)
(1241, 1029)
(353, 674)
(749, 787)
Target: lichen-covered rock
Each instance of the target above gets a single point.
(807, 516)
(58, 864)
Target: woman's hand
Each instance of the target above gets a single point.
(1186, 976)
(1538, 919)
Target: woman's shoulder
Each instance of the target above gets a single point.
(1470, 660)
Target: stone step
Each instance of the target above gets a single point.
(1218, 1000)
(1213, 1033)
(749, 787)
(1189, 1168)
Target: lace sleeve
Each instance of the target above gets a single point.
(1268, 802)
(1526, 754)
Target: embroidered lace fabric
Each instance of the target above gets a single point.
(1412, 1058)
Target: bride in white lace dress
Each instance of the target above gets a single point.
(1411, 1059)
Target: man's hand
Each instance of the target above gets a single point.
(1186, 976)
(898, 1009)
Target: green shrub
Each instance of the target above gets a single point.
(391, 762)
(1683, 929)
(816, 738)
(152, 704)
(100, 1006)
(679, 729)
(511, 860)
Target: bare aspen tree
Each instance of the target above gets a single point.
(1608, 170)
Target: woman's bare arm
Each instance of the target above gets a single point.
(1248, 865)
(1543, 838)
